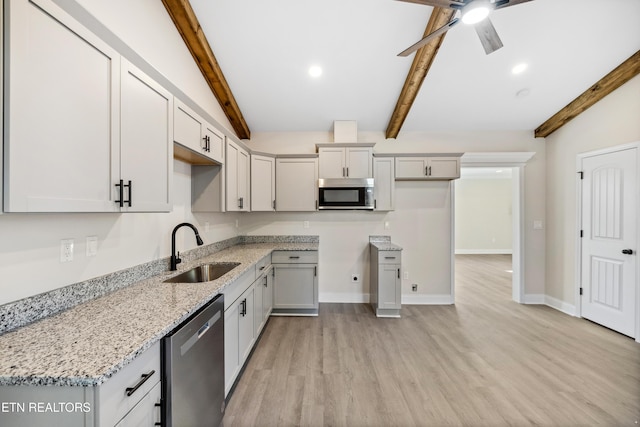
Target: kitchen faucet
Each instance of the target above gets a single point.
(175, 259)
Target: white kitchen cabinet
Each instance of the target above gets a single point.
(343, 161)
(1, 99)
(427, 168)
(146, 150)
(297, 183)
(267, 295)
(238, 179)
(196, 134)
(263, 183)
(127, 397)
(238, 335)
(102, 140)
(295, 287)
(384, 183)
(263, 295)
(62, 126)
(385, 288)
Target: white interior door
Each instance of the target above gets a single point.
(609, 243)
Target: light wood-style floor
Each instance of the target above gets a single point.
(486, 361)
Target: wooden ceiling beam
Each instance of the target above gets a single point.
(189, 28)
(419, 68)
(612, 81)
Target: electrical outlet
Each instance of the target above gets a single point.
(406, 275)
(66, 250)
(92, 246)
(355, 278)
(305, 224)
(414, 287)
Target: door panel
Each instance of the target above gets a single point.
(609, 204)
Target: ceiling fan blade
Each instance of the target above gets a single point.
(430, 37)
(488, 36)
(499, 4)
(448, 4)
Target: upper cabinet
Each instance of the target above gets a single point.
(146, 150)
(263, 183)
(238, 180)
(198, 140)
(428, 167)
(345, 160)
(297, 183)
(384, 183)
(82, 134)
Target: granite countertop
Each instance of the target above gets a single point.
(383, 243)
(89, 343)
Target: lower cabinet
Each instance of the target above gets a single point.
(128, 398)
(295, 287)
(385, 292)
(244, 318)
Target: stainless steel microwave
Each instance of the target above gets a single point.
(345, 193)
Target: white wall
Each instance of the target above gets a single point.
(483, 216)
(30, 243)
(613, 121)
(420, 223)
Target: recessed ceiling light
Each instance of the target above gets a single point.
(315, 71)
(519, 68)
(475, 12)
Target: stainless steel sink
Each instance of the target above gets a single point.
(204, 273)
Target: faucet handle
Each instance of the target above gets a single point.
(178, 260)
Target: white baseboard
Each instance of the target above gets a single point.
(427, 299)
(340, 297)
(560, 305)
(483, 252)
(534, 299)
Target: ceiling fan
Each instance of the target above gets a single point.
(472, 12)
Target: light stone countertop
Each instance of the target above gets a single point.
(386, 246)
(89, 343)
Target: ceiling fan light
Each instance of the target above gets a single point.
(475, 12)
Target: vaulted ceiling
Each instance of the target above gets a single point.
(265, 49)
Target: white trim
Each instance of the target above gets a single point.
(577, 310)
(342, 297)
(560, 305)
(516, 161)
(409, 299)
(533, 299)
(452, 241)
(496, 158)
(483, 251)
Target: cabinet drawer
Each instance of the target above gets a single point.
(294, 257)
(234, 290)
(146, 413)
(389, 257)
(114, 403)
(262, 265)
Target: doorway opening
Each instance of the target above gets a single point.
(484, 231)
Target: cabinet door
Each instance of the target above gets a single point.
(444, 167)
(233, 198)
(258, 300)
(389, 286)
(296, 184)
(411, 167)
(214, 142)
(263, 183)
(246, 331)
(187, 128)
(332, 162)
(295, 286)
(231, 345)
(384, 178)
(358, 161)
(62, 127)
(267, 294)
(244, 180)
(146, 149)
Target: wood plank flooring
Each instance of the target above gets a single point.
(487, 361)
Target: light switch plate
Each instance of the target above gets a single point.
(92, 246)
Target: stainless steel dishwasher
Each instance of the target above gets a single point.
(193, 369)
